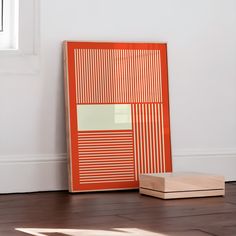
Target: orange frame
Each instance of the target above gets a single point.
(71, 106)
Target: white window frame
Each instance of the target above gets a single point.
(24, 59)
(9, 33)
(1, 16)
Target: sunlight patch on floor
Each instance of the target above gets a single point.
(88, 232)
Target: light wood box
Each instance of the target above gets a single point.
(182, 185)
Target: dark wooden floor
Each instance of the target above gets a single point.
(113, 213)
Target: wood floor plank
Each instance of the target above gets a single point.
(125, 209)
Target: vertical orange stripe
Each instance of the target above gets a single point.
(110, 85)
(137, 143)
(76, 73)
(95, 74)
(163, 139)
(129, 75)
(143, 138)
(148, 80)
(89, 81)
(114, 75)
(134, 123)
(138, 77)
(140, 134)
(80, 85)
(84, 79)
(79, 77)
(125, 74)
(73, 120)
(152, 88)
(105, 75)
(91, 77)
(152, 140)
(157, 150)
(134, 84)
(159, 72)
(149, 138)
(118, 75)
(102, 75)
(113, 83)
(121, 76)
(145, 153)
(160, 132)
(160, 137)
(142, 76)
(107, 80)
(166, 109)
(155, 77)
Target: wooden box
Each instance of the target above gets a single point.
(182, 185)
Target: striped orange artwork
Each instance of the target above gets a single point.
(106, 157)
(117, 113)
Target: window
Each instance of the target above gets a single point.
(1, 15)
(9, 24)
(19, 40)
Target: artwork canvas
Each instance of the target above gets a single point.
(117, 105)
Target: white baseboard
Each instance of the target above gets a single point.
(33, 173)
(49, 172)
(217, 161)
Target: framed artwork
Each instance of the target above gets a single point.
(117, 106)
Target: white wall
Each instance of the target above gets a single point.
(201, 38)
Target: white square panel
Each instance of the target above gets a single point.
(104, 117)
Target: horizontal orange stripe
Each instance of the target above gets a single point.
(104, 165)
(110, 145)
(105, 131)
(120, 154)
(106, 169)
(114, 156)
(106, 160)
(103, 142)
(101, 148)
(105, 134)
(127, 103)
(108, 178)
(104, 180)
(100, 160)
(109, 139)
(124, 176)
(108, 174)
(128, 150)
(107, 181)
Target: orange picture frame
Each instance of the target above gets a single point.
(102, 76)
